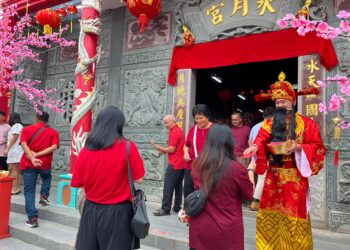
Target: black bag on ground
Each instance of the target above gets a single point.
(139, 223)
(194, 203)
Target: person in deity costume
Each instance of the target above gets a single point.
(289, 147)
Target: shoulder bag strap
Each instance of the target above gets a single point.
(36, 134)
(195, 142)
(131, 182)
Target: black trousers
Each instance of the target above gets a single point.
(188, 183)
(106, 227)
(172, 182)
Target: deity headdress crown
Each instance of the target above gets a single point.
(282, 89)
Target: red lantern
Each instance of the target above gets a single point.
(72, 9)
(144, 10)
(61, 12)
(49, 19)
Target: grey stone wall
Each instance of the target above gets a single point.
(145, 96)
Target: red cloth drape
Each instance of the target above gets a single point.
(252, 48)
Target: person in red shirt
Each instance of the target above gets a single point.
(195, 141)
(175, 169)
(101, 169)
(38, 141)
(220, 224)
(241, 134)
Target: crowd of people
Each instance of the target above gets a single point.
(268, 165)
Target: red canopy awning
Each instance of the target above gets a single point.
(266, 46)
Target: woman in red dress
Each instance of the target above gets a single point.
(220, 225)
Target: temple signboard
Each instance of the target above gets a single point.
(310, 72)
(219, 14)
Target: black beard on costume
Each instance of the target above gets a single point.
(279, 130)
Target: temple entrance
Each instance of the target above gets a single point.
(233, 88)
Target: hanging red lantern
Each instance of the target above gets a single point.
(144, 10)
(72, 9)
(61, 13)
(49, 19)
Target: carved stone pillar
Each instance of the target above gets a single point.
(85, 76)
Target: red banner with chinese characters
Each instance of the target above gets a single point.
(311, 71)
(181, 92)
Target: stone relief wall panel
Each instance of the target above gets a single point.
(338, 191)
(144, 96)
(61, 158)
(147, 57)
(343, 194)
(318, 197)
(337, 178)
(159, 38)
(156, 34)
(101, 91)
(144, 92)
(154, 162)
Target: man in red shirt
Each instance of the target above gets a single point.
(175, 170)
(241, 134)
(38, 142)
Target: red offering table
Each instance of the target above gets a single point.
(5, 203)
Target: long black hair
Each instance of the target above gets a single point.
(279, 131)
(14, 118)
(107, 129)
(215, 157)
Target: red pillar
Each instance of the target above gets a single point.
(85, 78)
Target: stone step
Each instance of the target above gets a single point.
(49, 235)
(165, 232)
(53, 213)
(16, 244)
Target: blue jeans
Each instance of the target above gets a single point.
(29, 180)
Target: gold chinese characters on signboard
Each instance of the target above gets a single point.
(179, 106)
(312, 71)
(239, 7)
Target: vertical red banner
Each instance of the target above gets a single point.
(311, 71)
(181, 91)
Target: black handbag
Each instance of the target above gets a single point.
(194, 203)
(140, 222)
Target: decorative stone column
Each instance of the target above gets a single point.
(84, 95)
